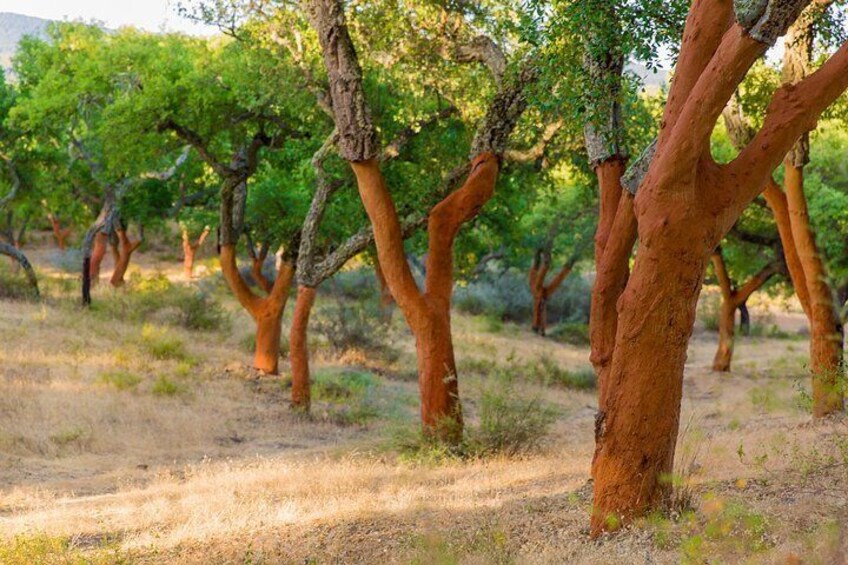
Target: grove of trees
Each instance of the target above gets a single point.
(466, 137)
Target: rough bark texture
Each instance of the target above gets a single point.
(298, 348)
(427, 313)
(685, 205)
(16, 255)
(357, 134)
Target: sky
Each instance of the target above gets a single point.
(152, 15)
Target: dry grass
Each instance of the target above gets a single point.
(95, 465)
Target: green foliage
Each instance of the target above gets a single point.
(156, 297)
(508, 297)
(354, 325)
(164, 386)
(121, 380)
(346, 398)
(161, 344)
(572, 333)
(13, 286)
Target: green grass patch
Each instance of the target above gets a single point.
(121, 380)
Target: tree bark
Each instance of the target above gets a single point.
(542, 291)
(101, 240)
(16, 255)
(685, 205)
(59, 234)
(267, 311)
(744, 320)
(190, 250)
(428, 313)
(826, 337)
(125, 249)
(299, 348)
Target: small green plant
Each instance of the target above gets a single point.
(162, 345)
(547, 371)
(348, 397)
(572, 333)
(67, 436)
(41, 548)
(198, 311)
(163, 386)
(121, 380)
(510, 422)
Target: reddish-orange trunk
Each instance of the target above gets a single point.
(59, 234)
(267, 311)
(726, 336)
(441, 410)
(634, 453)
(98, 252)
(188, 262)
(299, 348)
(124, 253)
(825, 328)
(428, 313)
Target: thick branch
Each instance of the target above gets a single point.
(16, 254)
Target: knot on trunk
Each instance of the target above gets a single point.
(767, 20)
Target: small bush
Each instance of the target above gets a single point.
(121, 380)
(547, 372)
(161, 345)
(572, 333)
(163, 386)
(349, 325)
(348, 397)
(510, 422)
(709, 311)
(45, 549)
(157, 297)
(14, 286)
(507, 297)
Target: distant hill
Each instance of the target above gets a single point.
(13, 28)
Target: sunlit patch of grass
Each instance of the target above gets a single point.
(163, 386)
(162, 345)
(121, 380)
(43, 549)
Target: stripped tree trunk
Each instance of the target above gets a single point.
(298, 348)
(60, 234)
(125, 249)
(427, 313)
(733, 299)
(541, 291)
(190, 251)
(685, 205)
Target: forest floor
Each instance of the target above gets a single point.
(127, 439)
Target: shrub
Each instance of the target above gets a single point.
(709, 311)
(121, 380)
(163, 386)
(572, 333)
(14, 286)
(507, 297)
(546, 371)
(354, 325)
(162, 345)
(157, 297)
(349, 396)
(511, 422)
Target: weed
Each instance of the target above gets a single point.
(348, 397)
(163, 386)
(162, 345)
(121, 380)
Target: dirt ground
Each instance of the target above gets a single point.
(111, 452)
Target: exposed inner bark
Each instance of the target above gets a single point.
(266, 311)
(541, 291)
(60, 234)
(428, 313)
(298, 348)
(190, 250)
(732, 299)
(125, 249)
(685, 205)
